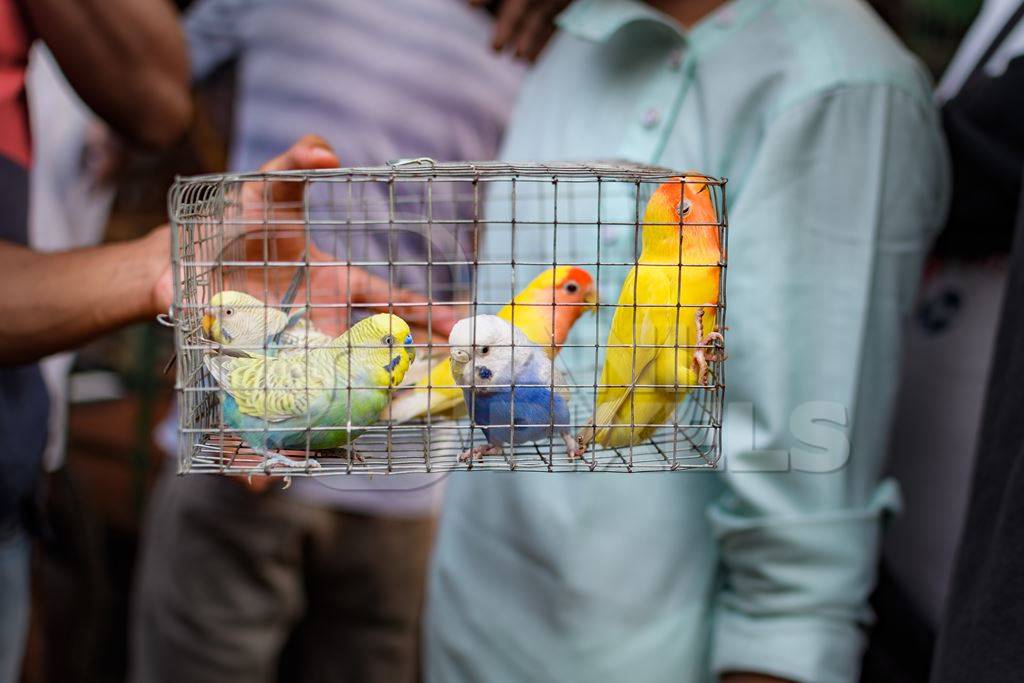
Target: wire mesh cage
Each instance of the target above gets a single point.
(312, 310)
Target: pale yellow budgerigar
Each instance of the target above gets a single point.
(241, 322)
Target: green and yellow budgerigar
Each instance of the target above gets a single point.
(240, 322)
(324, 397)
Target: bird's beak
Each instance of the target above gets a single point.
(207, 323)
(460, 356)
(591, 299)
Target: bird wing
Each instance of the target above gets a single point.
(546, 374)
(560, 384)
(608, 410)
(278, 389)
(301, 334)
(436, 394)
(636, 335)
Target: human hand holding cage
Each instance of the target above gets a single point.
(639, 389)
(272, 254)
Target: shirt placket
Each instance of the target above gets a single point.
(656, 117)
(657, 113)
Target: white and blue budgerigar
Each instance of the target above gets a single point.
(512, 391)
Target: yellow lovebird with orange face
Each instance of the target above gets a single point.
(667, 302)
(545, 310)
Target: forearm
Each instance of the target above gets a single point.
(126, 59)
(57, 301)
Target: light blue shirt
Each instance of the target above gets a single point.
(838, 180)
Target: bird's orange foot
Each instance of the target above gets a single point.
(478, 453)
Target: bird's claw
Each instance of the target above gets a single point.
(573, 447)
(702, 363)
(273, 460)
(703, 357)
(478, 452)
(584, 439)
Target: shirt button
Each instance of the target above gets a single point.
(675, 59)
(652, 117)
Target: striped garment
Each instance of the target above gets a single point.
(379, 80)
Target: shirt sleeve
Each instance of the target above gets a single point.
(214, 30)
(839, 209)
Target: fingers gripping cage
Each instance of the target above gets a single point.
(270, 382)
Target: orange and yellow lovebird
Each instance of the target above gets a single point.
(544, 311)
(663, 311)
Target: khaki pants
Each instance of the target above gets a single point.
(240, 587)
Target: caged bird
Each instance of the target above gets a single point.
(241, 324)
(276, 402)
(650, 343)
(545, 310)
(510, 386)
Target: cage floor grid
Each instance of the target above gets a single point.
(405, 450)
(688, 443)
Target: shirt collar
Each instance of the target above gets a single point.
(599, 20)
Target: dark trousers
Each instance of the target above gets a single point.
(235, 586)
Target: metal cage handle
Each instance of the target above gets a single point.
(397, 163)
(167, 319)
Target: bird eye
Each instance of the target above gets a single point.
(484, 350)
(572, 287)
(229, 311)
(684, 208)
(388, 340)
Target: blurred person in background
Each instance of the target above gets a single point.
(127, 62)
(69, 199)
(975, 604)
(825, 127)
(950, 343)
(69, 206)
(323, 581)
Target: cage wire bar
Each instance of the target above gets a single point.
(463, 237)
